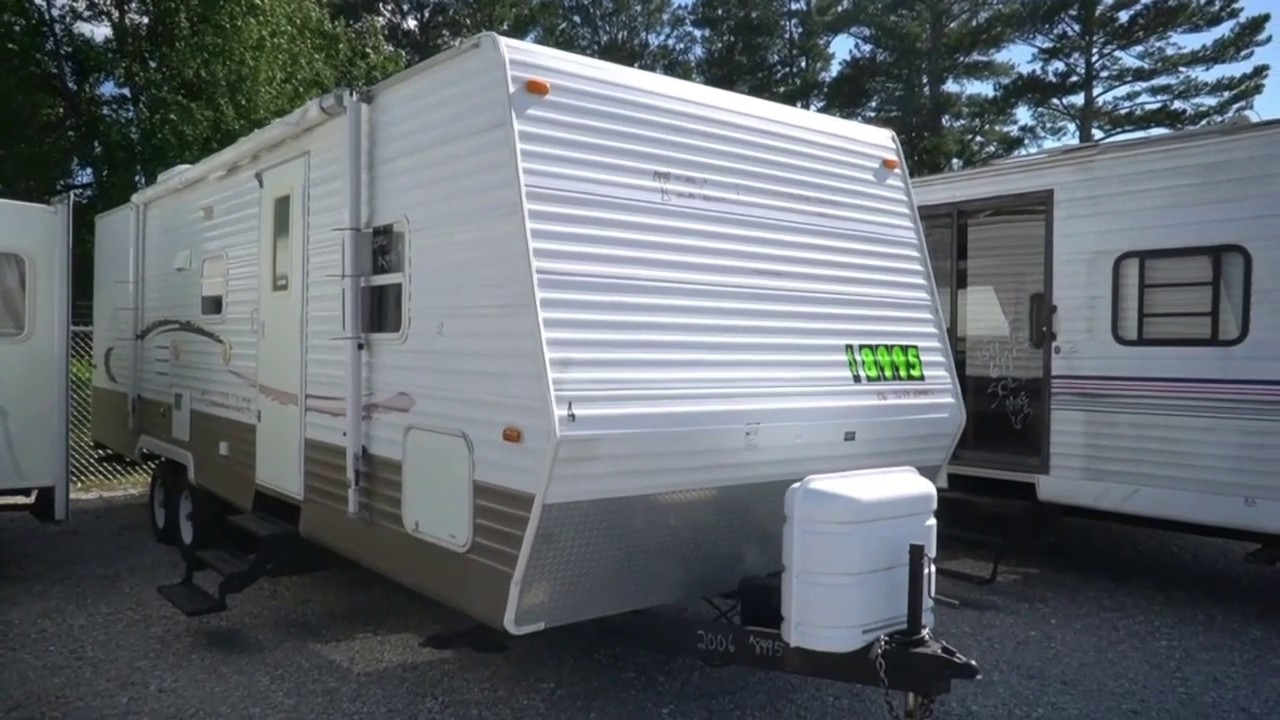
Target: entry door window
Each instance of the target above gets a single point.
(1004, 359)
(13, 295)
(281, 245)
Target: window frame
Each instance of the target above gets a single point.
(27, 279)
(368, 279)
(226, 285)
(1215, 254)
(276, 287)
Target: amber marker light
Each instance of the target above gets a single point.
(890, 163)
(537, 87)
(511, 434)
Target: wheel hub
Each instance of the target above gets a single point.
(158, 505)
(185, 519)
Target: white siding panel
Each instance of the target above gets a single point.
(702, 259)
(215, 216)
(441, 159)
(113, 322)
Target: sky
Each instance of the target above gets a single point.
(1267, 105)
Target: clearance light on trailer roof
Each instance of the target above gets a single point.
(537, 87)
(890, 163)
(512, 434)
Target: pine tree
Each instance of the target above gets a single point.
(422, 28)
(918, 66)
(649, 34)
(1103, 68)
(775, 49)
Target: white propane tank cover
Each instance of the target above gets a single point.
(845, 542)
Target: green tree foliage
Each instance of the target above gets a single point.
(106, 94)
(100, 96)
(191, 76)
(927, 68)
(649, 34)
(422, 28)
(775, 49)
(48, 90)
(1103, 68)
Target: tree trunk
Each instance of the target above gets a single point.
(1088, 104)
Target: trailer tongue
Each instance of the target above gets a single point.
(854, 601)
(853, 604)
(911, 661)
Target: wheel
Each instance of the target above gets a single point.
(163, 505)
(197, 517)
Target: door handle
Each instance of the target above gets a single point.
(1036, 320)
(1042, 321)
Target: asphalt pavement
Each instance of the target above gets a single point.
(1108, 622)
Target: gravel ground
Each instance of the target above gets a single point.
(1108, 623)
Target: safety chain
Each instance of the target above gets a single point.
(925, 705)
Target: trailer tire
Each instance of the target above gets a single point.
(163, 503)
(196, 514)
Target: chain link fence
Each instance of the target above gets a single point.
(92, 468)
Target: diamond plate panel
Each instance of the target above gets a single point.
(600, 557)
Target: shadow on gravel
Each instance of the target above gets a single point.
(1186, 625)
(1180, 569)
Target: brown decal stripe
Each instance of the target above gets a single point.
(476, 582)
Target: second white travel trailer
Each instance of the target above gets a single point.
(1109, 307)
(35, 324)
(550, 339)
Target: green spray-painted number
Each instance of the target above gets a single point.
(884, 363)
(852, 357)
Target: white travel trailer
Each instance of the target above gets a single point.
(1108, 305)
(547, 339)
(35, 322)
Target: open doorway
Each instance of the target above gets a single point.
(992, 262)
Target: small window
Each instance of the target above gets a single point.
(213, 285)
(281, 211)
(383, 300)
(1183, 296)
(13, 295)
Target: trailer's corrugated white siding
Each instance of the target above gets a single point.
(219, 217)
(442, 160)
(113, 306)
(1157, 418)
(701, 261)
(439, 158)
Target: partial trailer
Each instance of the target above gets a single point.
(550, 339)
(1109, 309)
(35, 325)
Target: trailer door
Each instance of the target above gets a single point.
(34, 270)
(993, 263)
